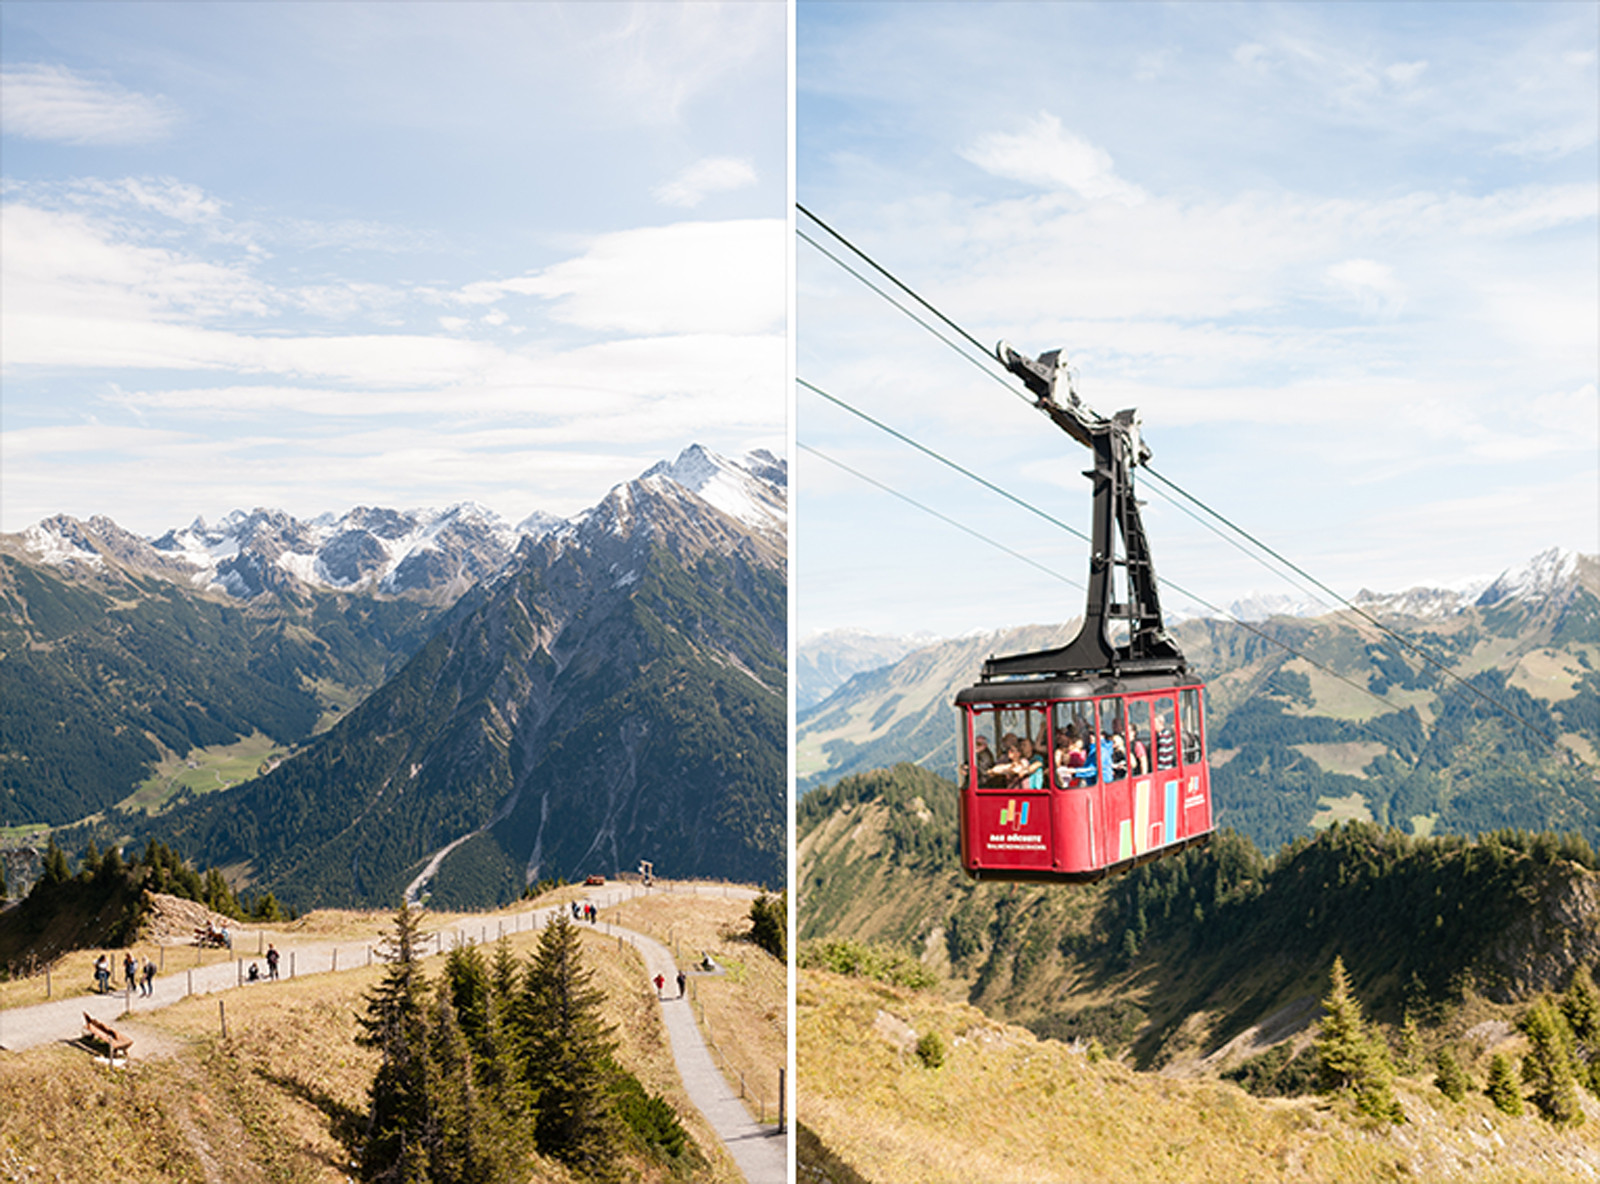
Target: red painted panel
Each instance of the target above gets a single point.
(1011, 830)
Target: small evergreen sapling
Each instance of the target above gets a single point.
(1502, 1086)
(1352, 1059)
(1450, 1079)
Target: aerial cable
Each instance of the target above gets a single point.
(883, 271)
(944, 460)
(1360, 612)
(1245, 625)
(942, 517)
(957, 346)
(1398, 637)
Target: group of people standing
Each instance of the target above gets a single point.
(135, 976)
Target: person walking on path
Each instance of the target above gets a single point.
(272, 963)
(147, 987)
(102, 974)
(130, 970)
(683, 981)
(661, 981)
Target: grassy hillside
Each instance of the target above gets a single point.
(283, 1096)
(1170, 962)
(1002, 1105)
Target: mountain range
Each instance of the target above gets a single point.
(600, 690)
(1316, 718)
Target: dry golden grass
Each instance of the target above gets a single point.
(281, 1098)
(744, 1012)
(1006, 1106)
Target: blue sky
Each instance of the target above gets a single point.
(1343, 259)
(326, 254)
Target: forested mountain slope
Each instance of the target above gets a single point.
(616, 695)
(105, 668)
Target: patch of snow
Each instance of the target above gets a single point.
(56, 549)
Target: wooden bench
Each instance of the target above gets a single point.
(114, 1041)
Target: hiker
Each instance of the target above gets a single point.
(227, 938)
(272, 962)
(130, 970)
(254, 974)
(574, 910)
(660, 982)
(147, 987)
(102, 975)
(683, 980)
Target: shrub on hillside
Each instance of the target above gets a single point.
(863, 960)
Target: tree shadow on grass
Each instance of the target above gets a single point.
(345, 1123)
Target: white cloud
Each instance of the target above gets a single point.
(1370, 284)
(1046, 155)
(46, 102)
(715, 174)
(691, 277)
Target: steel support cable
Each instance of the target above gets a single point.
(1245, 625)
(888, 275)
(944, 460)
(1400, 638)
(957, 346)
(1363, 614)
(910, 501)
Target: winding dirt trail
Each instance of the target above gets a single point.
(760, 1151)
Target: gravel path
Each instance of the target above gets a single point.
(760, 1152)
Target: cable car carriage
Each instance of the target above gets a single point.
(1089, 759)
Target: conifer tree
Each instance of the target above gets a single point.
(395, 1024)
(1548, 1068)
(567, 1045)
(56, 870)
(1450, 1079)
(1350, 1058)
(1410, 1045)
(1581, 1005)
(467, 1139)
(1502, 1086)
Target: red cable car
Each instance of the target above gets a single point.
(1089, 759)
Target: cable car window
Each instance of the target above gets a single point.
(1018, 739)
(1165, 743)
(1189, 725)
(1114, 732)
(1137, 740)
(1074, 735)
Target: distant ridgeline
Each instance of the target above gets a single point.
(1220, 932)
(1293, 747)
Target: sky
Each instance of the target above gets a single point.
(1343, 259)
(312, 256)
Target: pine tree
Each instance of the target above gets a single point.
(1581, 1005)
(56, 870)
(1548, 1067)
(396, 1025)
(1410, 1045)
(1350, 1058)
(567, 1045)
(1502, 1086)
(468, 1140)
(769, 923)
(1452, 1082)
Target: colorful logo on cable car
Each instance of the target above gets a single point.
(1009, 814)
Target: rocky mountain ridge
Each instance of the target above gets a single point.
(426, 552)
